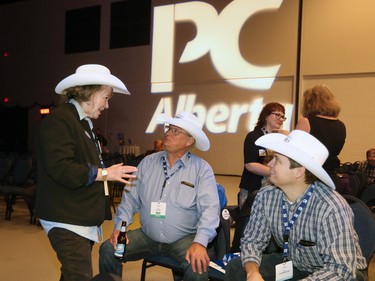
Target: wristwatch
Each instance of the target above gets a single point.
(104, 177)
(104, 174)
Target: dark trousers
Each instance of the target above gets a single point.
(74, 254)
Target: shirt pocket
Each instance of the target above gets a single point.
(308, 256)
(186, 196)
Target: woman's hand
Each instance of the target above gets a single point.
(118, 172)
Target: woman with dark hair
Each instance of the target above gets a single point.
(270, 120)
(320, 113)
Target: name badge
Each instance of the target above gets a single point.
(284, 271)
(158, 209)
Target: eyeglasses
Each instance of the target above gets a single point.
(174, 130)
(279, 116)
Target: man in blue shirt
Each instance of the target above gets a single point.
(176, 195)
(310, 221)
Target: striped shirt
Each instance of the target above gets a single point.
(327, 221)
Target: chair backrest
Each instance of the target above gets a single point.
(108, 159)
(21, 171)
(364, 224)
(222, 196)
(350, 178)
(368, 195)
(5, 166)
(222, 240)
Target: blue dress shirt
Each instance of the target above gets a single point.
(190, 195)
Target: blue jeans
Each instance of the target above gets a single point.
(140, 247)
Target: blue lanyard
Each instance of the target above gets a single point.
(289, 225)
(166, 174)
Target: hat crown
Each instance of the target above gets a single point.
(189, 117)
(92, 74)
(191, 124)
(93, 68)
(309, 145)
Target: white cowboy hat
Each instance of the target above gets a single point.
(92, 74)
(191, 124)
(302, 148)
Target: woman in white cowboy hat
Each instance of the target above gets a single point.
(310, 222)
(72, 196)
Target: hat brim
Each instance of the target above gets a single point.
(201, 140)
(82, 79)
(275, 142)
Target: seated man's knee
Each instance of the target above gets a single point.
(234, 270)
(106, 248)
(189, 275)
(107, 261)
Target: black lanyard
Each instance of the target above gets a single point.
(96, 142)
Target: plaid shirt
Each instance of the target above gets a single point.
(327, 221)
(369, 172)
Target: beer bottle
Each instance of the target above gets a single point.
(121, 242)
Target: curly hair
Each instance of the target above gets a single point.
(320, 100)
(81, 93)
(267, 110)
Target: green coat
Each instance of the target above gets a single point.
(65, 154)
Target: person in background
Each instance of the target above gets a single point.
(177, 198)
(305, 215)
(102, 140)
(255, 172)
(270, 120)
(158, 146)
(368, 167)
(72, 198)
(320, 112)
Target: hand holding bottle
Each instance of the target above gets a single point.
(120, 248)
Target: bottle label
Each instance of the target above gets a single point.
(119, 252)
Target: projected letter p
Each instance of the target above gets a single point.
(216, 34)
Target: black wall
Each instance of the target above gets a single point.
(14, 130)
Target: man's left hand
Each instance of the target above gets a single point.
(198, 258)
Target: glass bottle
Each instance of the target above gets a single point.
(121, 242)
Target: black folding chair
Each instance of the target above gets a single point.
(221, 244)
